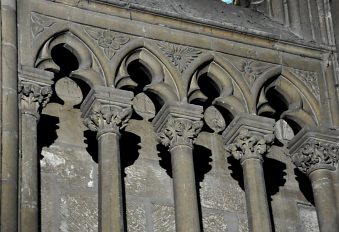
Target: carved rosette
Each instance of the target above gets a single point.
(180, 56)
(33, 97)
(315, 154)
(106, 118)
(249, 145)
(179, 131)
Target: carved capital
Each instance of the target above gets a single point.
(34, 90)
(107, 110)
(178, 124)
(107, 118)
(249, 136)
(249, 145)
(179, 131)
(315, 149)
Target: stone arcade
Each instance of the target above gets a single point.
(169, 115)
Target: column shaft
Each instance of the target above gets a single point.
(256, 196)
(184, 187)
(325, 200)
(29, 177)
(9, 102)
(110, 184)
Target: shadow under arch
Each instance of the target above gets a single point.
(89, 68)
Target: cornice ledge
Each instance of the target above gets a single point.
(35, 76)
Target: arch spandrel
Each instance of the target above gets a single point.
(93, 68)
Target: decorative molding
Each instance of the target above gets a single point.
(180, 56)
(310, 79)
(249, 145)
(39, 23)
(179, 131)
(109, 41)
(315, 154)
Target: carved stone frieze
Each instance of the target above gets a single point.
(178, 124)
(34, 89)
(310, 79)
(249, 145)
(249, 136)
(180, 56)
(39, 23)
(315, 149)
(106, 109)
(108, 41)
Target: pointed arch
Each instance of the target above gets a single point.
(93, 69)
(164, 81)
(226, 77)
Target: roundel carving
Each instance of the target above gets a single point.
(214, 119)
(144, 106)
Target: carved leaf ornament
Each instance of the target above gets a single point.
(180, 132)
(180, 56)
(310, 79)
(108, 40)
(249, 145)
(32, 93)
(251, 70)
(39, 23)
(108, 118)
(315, 154)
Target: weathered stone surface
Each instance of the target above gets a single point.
(78, 212)
(216, 193)
(308, 217)
(214, 222)
(163, 218)
(136, 217)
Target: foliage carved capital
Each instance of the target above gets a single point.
(34, 90)
(179, 131)
(316, 148)
(107, 110)
(249, 145)
(249, 136)
(107, 118)
(316, 154)
(178, 124)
